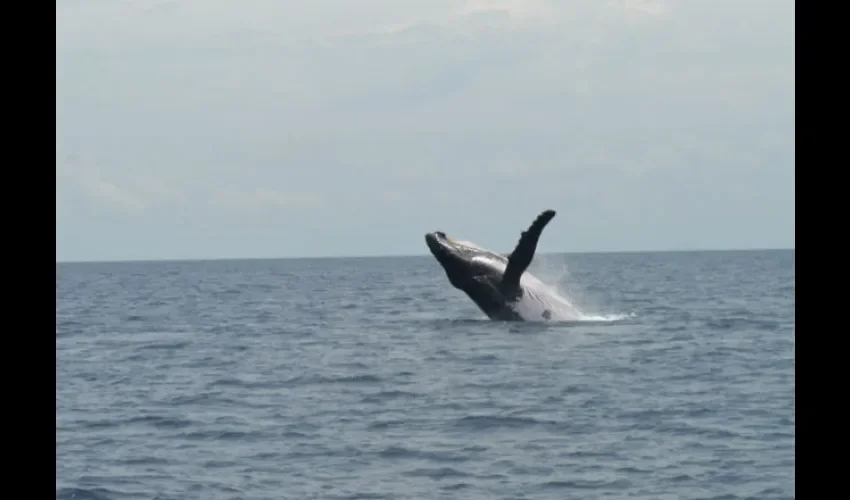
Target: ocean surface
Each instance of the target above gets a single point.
(373, 378)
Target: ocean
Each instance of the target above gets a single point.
(374, 378)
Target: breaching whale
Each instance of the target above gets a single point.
(501, 287)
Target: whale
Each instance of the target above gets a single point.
(500, 285)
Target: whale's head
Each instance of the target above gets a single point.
(462, 261)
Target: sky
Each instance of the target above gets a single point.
(198, 129)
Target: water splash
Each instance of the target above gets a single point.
(564, 301)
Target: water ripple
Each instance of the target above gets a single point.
(372, 378)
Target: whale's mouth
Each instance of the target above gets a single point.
(433, 241)
(441, 245)
(439, 241)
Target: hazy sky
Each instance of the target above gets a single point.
(271, 128)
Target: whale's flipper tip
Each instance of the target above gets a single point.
(522, 255)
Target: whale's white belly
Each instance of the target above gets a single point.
(539, 301)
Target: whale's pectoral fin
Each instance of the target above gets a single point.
(522, 255)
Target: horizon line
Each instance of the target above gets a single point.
(397, 256)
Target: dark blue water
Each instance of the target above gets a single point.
(372, 378)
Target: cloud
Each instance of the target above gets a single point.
(643, 7)
(84, 181)
(343, 111)
(80, 177)
(109, 192)
(158, 191)
(261, 199)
